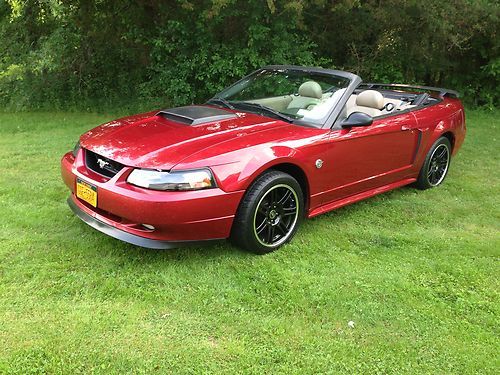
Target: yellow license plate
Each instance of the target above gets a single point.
(86, 192)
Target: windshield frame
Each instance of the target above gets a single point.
(334, 112)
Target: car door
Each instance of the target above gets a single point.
(364, 158)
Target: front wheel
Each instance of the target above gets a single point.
(269, 213)
(436, 165)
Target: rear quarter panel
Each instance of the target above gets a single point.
(445, 117)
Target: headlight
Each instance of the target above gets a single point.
(179, 180)
(76, 149)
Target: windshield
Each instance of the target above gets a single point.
(290, 94)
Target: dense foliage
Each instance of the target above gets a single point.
(90, 53)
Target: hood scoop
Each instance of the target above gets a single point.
(195, 114)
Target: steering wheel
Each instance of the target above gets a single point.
(389, 107)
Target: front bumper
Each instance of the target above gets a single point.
(147, 218)
(122, 235)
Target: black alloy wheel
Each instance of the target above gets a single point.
(436, 165)
(269, 213)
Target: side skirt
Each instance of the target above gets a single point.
(358, 197)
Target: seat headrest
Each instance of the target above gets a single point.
(370, 98)
(311, 89)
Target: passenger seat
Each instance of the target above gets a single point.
(370, 102)
(310, 94)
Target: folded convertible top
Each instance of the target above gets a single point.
(442, 91)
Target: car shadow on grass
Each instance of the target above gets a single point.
(109, 247)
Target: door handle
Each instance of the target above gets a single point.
(405, 127)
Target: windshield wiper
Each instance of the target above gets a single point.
(265, 109)
(219, 100)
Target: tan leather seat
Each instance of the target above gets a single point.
(310, 94)
(370, 102)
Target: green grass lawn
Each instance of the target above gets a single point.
(416, 271)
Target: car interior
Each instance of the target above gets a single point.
(311, 102)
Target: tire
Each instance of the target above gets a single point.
(436, 165)
(269, 213)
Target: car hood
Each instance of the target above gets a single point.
(160, 140)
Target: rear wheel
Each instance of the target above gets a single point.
(436, 165)
(269, 213)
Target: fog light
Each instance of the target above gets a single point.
(147, 226)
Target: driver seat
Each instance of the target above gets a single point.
(310, 94)
(370, 102)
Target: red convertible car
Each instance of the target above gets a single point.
(281, 144)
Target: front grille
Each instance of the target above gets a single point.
(101, 164)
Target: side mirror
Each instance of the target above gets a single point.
(357, 119)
